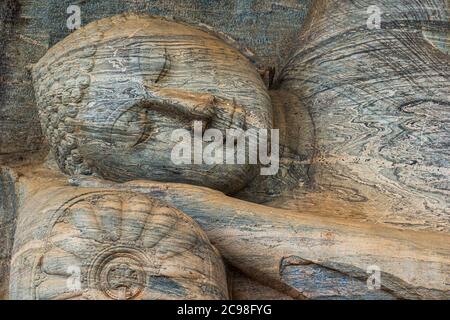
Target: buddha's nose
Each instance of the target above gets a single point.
(217, 112)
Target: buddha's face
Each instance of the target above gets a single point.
(121, 86)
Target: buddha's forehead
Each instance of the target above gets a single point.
(189, 66)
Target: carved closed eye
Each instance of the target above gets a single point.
(132, 127)
(139, 123)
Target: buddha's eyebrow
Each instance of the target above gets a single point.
(148, 60)
(165, 68)
(190, 104)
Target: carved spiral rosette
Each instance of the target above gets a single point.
(115, 245)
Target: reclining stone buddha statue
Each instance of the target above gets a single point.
(109, 96)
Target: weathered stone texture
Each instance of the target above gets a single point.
(31, 27)
(369, 139)
(8, 216)
(363, 115)
(22, 42)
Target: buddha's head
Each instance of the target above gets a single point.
(111, 94)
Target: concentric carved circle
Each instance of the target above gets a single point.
(119, 272)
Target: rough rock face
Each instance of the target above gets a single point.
(29, 28)
(21, 138)
(8, 216)
(98, 244)
(111, 94)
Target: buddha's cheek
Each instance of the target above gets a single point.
(123, 160)
(162, 158)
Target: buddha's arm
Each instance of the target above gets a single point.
(304, 254)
